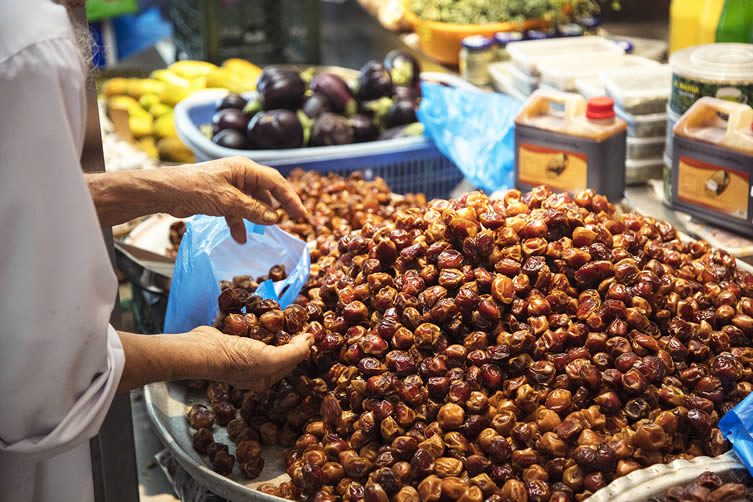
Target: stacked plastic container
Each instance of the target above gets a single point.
(556, 64)
(641, 99)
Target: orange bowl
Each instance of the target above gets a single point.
(442, 41)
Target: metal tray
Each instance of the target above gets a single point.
(653, 481)
(168, 402)
(167, 405)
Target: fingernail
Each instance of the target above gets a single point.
(270, 216)
(310, 340)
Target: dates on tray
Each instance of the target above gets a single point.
(708, 486)
(531, 347)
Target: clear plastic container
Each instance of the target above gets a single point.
(672, 119)
(563, 72)
(639, 92)
(590, 87)
(644, 126)
(645, 148)
(523, 82)
(640, 171)
(718, 70)
(528, 54)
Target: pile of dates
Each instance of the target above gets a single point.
(532, 347)
(735, 486)
(336, 205)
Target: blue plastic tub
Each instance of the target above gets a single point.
(408, 165)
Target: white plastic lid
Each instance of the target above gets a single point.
(715, 62)
(529, 53)
(646, 141)
(563, 71)
(644, 163)
(626, 84)
(590, 87)
(640, 119)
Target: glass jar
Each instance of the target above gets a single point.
(476, 54)
(501, 39)
(569, 30)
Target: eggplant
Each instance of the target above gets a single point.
(331, 129)
(411, 93)
(280, 88)
(229, 118)
(400, 113)
(230, 138)
(316, 104)
(364, 128)
(337, 92)
(403, 68)
(374, 82)
(275, 129)
(231, 100)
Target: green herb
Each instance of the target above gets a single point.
(500, 11)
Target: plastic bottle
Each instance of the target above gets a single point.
(684, 20)
(736, 22)
(712, 11)
(582, 146)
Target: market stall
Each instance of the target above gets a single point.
(525, 265)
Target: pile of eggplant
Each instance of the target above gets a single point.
(297, 109)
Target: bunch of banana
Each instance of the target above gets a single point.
(149, 101)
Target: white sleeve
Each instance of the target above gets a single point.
(60, 361)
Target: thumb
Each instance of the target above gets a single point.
(294, 352)
(252, 209)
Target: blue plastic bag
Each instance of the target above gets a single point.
(475, 130)
(737, 427)
(208, 254)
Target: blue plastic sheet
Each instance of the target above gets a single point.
(736, 425)
(475, 130)
(208, 254)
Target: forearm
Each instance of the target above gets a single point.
(156, 358)
(123, 196)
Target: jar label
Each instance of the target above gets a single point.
(713, 187)
(560, 169)
(686, 91)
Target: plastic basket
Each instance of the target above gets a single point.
(408, 165)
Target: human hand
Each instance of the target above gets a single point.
(246, 363)
(236, 188)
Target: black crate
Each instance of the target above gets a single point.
(262, 31)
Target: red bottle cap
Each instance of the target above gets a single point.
(600, 108)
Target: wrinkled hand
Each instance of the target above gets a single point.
(236, 188)
(250, 364)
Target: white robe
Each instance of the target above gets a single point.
(60, 361)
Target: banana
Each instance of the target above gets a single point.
(172, 95)
(249, 71)
(115, 87)
(160, 109)
(126, 103)
(148, 101)
(170, 78)
(141, 125)
(164, 126)
(233, 82)
(137, 87)
(172, 150)
(192, 69)
(148, 146)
